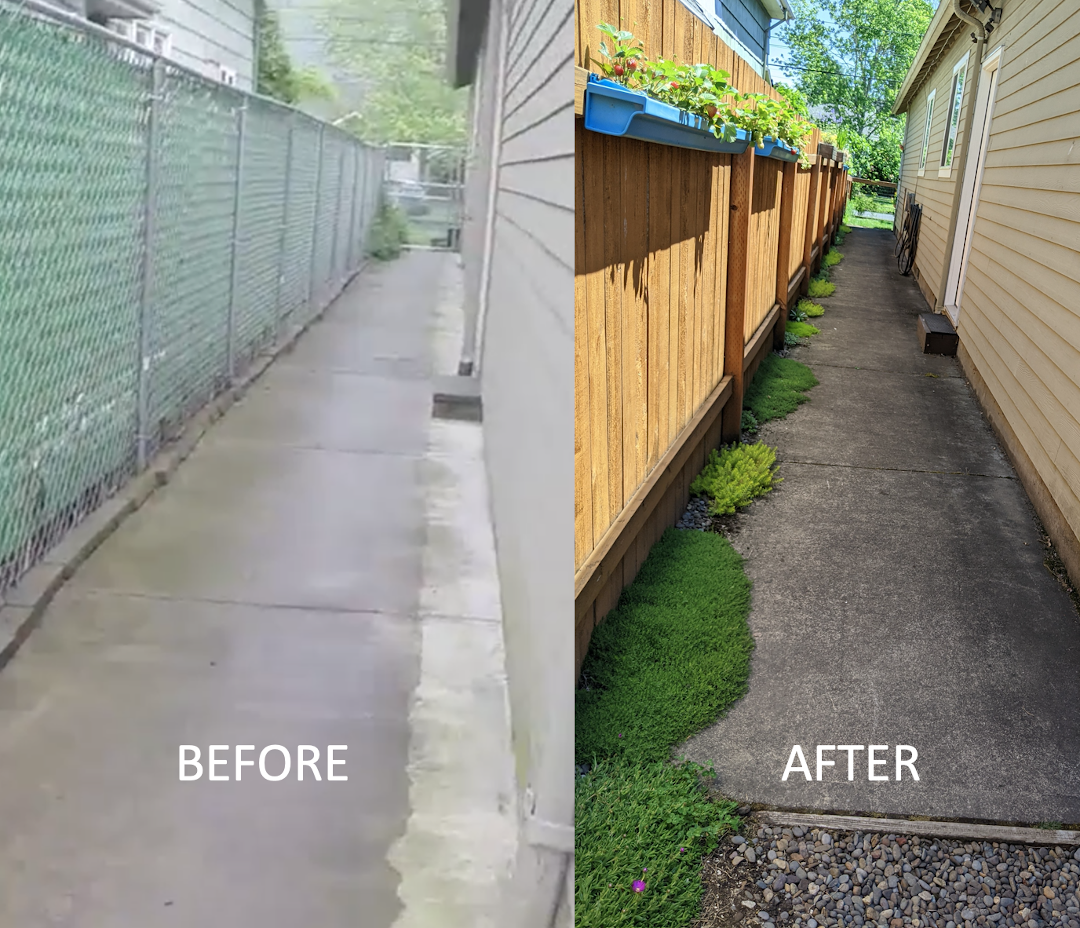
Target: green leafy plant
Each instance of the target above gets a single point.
(778, 388)
(820, 288)
(802, 329)
(734, 477)
(790, 340)
(748, 423)
(704, 91)
(389, 232)
(623, 58)
(649, 824)
(833, 258)
(844, 230)
(797, 314)
(810, 309)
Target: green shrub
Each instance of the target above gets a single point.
(736, 476)
(650, 822)
(802, 329)
(389, 232)
(862, 202)
(810, 309)
(833, 258)
(748, 423)
(671, 656)
(844, 230)
(778, 388)
(821, 288)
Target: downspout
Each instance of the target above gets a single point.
(960, 158)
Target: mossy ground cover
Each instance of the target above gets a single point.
(779, 388)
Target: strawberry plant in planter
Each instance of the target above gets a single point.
(701, 95)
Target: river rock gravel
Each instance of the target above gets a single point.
(819, 879)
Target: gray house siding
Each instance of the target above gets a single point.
(212, 31)
(750, 23)
(517, 249)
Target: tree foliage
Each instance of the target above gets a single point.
(278, 78)
(397, 50)
(851, 56)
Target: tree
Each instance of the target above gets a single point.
(278, 78)
(397, 50)
(851, 56)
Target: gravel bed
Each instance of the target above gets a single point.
(696, 517)
(819, 879)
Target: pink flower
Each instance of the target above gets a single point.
(639, 886)
(681, 850)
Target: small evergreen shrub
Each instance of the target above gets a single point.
(821, 288)
(389, 232)
(736, 476)
(833, 258)
(810, 309)
(802, 329)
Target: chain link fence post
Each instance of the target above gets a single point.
(315, 222)
(146, 297)
(278, 317)
(350, 256)
(230, 341)
(335, 280)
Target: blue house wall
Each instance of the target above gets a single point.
(750, 23)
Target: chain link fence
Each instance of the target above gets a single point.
(427, 183)
(158, 232)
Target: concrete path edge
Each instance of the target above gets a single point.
(923, 827)
(24, 605)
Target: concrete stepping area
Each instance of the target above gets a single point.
(900, 596)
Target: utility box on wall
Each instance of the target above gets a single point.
(937, 335)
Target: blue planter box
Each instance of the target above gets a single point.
(613, 110)
(778, 149)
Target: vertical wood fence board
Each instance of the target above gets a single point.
(659, 280)
(633, 231)
(590, 154)
(613, 261)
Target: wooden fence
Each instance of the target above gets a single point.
(686, 264)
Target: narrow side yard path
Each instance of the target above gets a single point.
(267, 595)
(899, 593)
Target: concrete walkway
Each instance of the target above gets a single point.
(899, 589)
(268, 595)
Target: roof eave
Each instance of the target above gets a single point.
(936, 27)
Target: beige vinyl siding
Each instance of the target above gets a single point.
(1020, 311)
(913, 137)
(933, 192)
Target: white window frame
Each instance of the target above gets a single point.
(956, 107)
(926, 130)
(226, 75)
(130, 29)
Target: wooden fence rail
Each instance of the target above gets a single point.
(686, 265)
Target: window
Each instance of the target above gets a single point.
(926, 130)
(953, 122)
(228, 76)
(151, 37)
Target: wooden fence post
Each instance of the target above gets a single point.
(742, 197)
(783, 255)
(813, 199)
